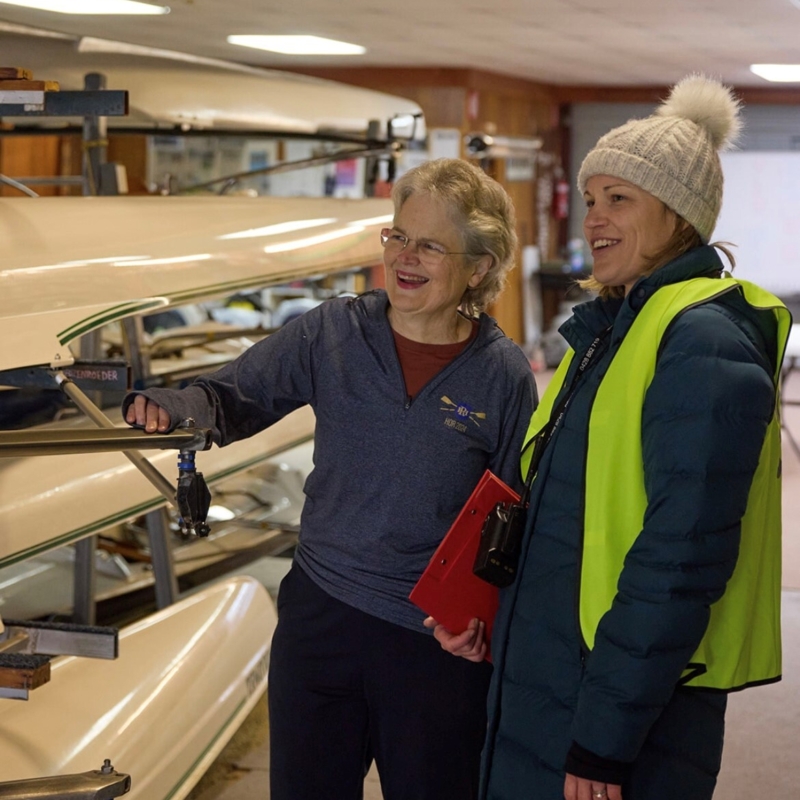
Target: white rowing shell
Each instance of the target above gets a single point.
(73, 264)
(185, 679)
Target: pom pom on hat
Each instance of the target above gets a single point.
(673, 154)
(708, 104)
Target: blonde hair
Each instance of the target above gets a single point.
(483, 213)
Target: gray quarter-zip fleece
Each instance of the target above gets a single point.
(389, 475)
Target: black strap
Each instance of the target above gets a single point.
(542, 439)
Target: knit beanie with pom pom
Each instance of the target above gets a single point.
(673, 154)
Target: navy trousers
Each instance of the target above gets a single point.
(346, 688)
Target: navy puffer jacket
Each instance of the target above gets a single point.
(618, 706)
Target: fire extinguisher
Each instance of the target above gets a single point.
(561, 199)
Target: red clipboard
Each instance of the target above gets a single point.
(448, 590)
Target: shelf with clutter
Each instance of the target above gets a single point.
(22, 96)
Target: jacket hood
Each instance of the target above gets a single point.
(594, 316)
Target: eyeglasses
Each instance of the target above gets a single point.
(429, 252)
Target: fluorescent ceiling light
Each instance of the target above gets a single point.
(26, 30)
(110, 260)
(151, 262)
(312, 240)
(385, 219)
(122, 261)
(90, 6)
(299, 45)
(91, 44)
(779, 73)
(278, 228)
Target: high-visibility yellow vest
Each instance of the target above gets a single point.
(742, 644)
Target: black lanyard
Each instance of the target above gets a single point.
(542, 439)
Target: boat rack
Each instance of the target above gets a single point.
(42, 103)
(21, 96)
(26, 647)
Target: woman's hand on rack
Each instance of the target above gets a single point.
(148, 415)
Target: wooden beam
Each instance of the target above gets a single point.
(610, 94)
(383, 77)
(750, 95)
(23, 671)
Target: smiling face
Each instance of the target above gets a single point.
(424, 297)
(624, 226)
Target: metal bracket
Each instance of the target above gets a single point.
(20, 673)
(104, 103)
(60, 639)
(193, 496)
(27, 647)
(89, 374)
(103, 784)
(372, 150)
(28, 442)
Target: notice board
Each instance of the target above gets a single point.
(761, 215)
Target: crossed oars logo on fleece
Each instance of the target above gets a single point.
(462, 411)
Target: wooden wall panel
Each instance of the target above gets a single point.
(59, 155)
(751, 95)
(443, 105)
(29, 156)
(72, 161)
(130, 150)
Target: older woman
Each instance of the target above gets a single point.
(649, 582)
(416, 393)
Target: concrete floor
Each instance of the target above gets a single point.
(760, 758)
(242, 770)
(763, 724)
